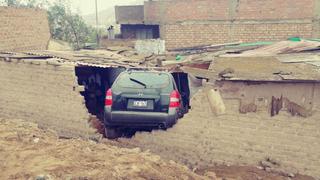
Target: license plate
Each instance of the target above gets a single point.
(140, 103)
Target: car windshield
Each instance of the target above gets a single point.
(143, 80)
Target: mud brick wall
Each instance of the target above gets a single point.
(203, 139)
(23, 29)
(45, 94)
(305, 95)
(193, 22)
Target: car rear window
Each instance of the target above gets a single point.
(139, 79)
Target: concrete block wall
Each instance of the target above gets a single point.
(202, 139)
(45, 94)
(23, 29)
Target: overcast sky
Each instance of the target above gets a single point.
(88, 6)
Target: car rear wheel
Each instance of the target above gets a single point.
(112, 133)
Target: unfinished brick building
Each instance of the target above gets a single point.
(184, 23)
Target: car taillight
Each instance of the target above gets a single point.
(174, 99)
(108, 100)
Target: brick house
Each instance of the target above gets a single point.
(185, 23)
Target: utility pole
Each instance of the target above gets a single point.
(97, 24)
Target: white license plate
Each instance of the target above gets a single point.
(140, 103)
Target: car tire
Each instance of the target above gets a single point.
(112, 133)
(175, 121)
(164, 128)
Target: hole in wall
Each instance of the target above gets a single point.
(97, 81)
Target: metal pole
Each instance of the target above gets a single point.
(97, 24)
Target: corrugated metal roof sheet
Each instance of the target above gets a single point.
(96, 58)
(283, 47)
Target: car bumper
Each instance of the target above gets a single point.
(139, 119)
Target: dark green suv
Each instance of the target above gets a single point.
(141, 99)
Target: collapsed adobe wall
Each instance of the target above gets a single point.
(202, 138)
(186, 23)
(23, 29)
(45, 93)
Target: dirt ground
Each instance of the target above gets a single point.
(248, 173)
(27, 152)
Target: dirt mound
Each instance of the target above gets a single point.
(27, 152)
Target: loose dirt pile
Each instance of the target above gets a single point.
(27, 152)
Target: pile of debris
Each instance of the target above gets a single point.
(285, 60)
(298, 51)
(257, 63)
